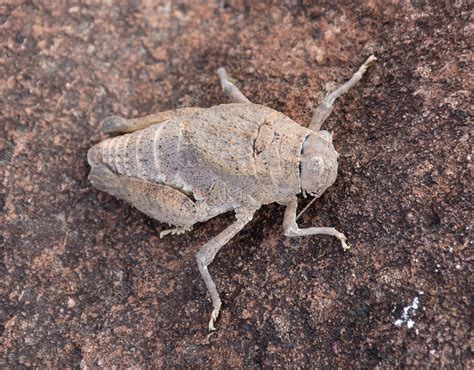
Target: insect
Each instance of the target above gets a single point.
(189, 165)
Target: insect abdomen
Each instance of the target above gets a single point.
(142, 154)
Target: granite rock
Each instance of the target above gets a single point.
(85, 280)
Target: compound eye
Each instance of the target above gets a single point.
(326, 135)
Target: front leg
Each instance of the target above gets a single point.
(325, 108)
(207, 253)
(291, 228)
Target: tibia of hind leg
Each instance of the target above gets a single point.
(113, 124)
(103, 178)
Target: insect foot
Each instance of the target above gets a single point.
(343, 240)
(214, 316)
(175, 231)
(188, 165)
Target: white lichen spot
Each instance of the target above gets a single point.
(407, 312)
(71, 303)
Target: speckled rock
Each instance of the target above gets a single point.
(85, 279)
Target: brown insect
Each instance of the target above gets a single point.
(191, 164)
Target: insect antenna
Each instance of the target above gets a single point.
(305, 208)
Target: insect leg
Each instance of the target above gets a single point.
(159, 201)
(119, 125)
(232, 91)
(209, 250)
(325, 107)
(291, 228)
(175, 231)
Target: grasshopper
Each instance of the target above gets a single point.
(189, 165)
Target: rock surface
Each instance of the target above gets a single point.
(85, 279)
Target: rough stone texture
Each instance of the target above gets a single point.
(85, 279)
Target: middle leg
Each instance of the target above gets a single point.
(207, 253)
(232, 91)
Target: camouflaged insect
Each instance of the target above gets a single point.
(189, 165)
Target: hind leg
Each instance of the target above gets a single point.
(176, 231)
(161, 202)
(120, 125)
